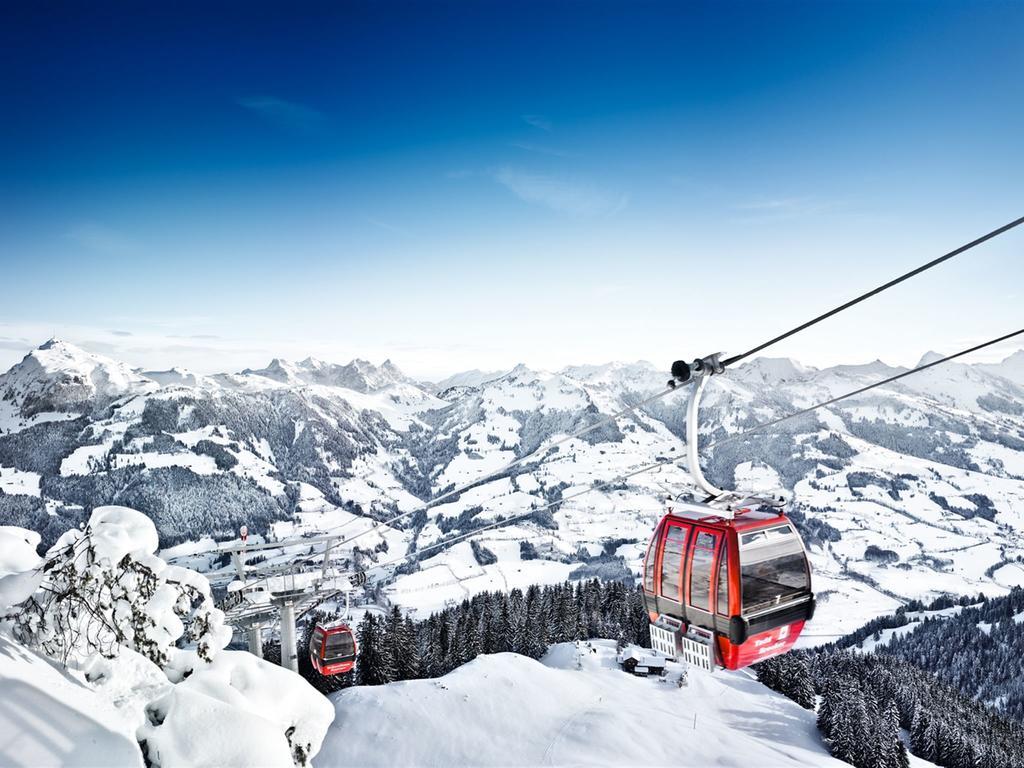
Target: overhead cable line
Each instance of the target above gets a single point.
(632, 409)
(466, 486)
(736, 358)
(874, 292)
(863, 389)
(665, 462)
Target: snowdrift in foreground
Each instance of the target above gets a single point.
(506, 709)
(48, 718)
(238, 710)
(129, 626)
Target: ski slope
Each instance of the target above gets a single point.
(574, 707)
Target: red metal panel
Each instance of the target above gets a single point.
(759, 647)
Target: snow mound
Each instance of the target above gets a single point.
(118, 531)
(574, 707)
(47, 718)
(17, 549)
(237, 711)
(18, 559)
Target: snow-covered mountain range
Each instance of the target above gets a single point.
(906, 491)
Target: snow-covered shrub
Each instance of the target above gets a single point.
(237, 710)
(102, 597)
(103, 588)
(18, 560)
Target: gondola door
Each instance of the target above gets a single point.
(670, 571)
(700, 584)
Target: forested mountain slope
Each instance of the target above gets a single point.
(909, 491)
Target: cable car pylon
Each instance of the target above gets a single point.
(289, 595)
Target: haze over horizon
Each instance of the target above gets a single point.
(456, 187)
(994, 355)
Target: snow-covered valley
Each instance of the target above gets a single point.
(902, 494)
(906, 492)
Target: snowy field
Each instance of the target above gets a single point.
(50, 718)
(574, 707)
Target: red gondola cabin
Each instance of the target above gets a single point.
(726, 592)
(332, 649)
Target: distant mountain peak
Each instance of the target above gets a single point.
(62, 377)
(359, 375)
(773, 369)
(928, 358)
(1011, 368)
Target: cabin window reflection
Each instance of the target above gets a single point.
(316, 642)
(672, 562)
(700, 570)
(649, 562)
(774, 580)
(722, 605)
(339, 646)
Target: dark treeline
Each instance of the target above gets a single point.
(394, 647)
(948, 684)
(979, 650)
(901, 618)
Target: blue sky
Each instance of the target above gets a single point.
(459, 185)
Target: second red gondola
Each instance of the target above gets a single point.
(332, 648)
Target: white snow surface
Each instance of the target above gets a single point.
(48, 717)
(16, 482)
(236, 711)
(509, 710)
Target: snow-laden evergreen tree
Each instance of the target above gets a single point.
(411, 666)
(103, 588)
(374, 662)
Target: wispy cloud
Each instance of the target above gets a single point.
(289, 115)
(122, 333)
(538, 121)
(541, 150)
(99, 238)
(381, 224)
(786, 207)
(560, 194)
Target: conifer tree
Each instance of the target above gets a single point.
(369, 661)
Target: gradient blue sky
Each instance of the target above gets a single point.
(458, 185)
